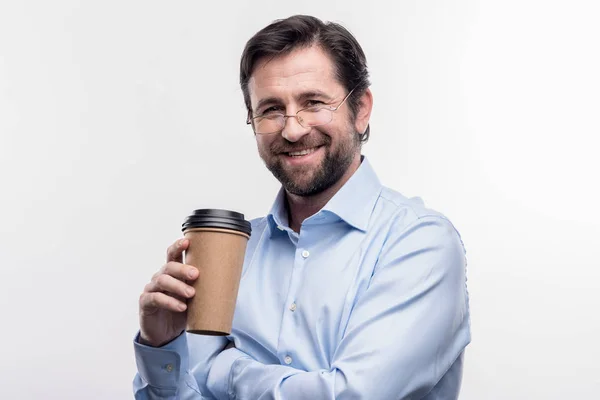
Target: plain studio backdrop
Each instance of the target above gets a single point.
(118, 118)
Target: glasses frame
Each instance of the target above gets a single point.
(249, 119)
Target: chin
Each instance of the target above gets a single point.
(306, 188)
(304, 191)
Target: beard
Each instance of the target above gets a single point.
(310, 180)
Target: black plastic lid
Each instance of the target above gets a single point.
(215, 218)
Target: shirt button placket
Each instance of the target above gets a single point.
(288, 323)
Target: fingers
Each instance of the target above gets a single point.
(178, 270)
(175, 251)
(169, 283)
(168, 288)
(152, 301)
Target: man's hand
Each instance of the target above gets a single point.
(162, 307)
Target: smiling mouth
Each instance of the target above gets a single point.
(302, 153)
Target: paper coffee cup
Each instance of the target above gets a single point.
(218, 240)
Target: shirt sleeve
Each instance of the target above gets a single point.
(404, 334)
(164, 372)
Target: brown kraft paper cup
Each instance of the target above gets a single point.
(218, 253)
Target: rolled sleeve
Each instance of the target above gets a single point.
(162, 367)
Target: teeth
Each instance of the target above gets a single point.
(302, 153)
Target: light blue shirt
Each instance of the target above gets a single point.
(368, 301)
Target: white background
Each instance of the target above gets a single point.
(117, 118)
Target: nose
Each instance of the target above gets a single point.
(292, 130)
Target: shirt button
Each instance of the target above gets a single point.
(169, 367)
(305, 254)
(293, 307)
(287, 360)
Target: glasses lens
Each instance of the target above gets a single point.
(268, 124)
(315, 117)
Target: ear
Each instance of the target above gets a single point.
(364, 111)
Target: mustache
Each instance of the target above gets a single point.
(307, 142)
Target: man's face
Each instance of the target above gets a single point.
(301, 79)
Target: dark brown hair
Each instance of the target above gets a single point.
(285, 35)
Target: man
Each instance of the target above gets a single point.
(349, 289)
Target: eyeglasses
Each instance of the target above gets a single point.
(274, 122)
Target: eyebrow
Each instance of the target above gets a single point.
(302, 96)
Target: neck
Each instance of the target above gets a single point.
(302, 207)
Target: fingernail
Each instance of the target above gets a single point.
(192, 273)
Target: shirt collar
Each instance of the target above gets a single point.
(353, 203)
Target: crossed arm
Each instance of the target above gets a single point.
(405, 333)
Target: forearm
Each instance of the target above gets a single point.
(253, 380)
(236, 374)
(355, 378)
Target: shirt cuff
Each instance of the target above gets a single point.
(219, 377)
(162, 367)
